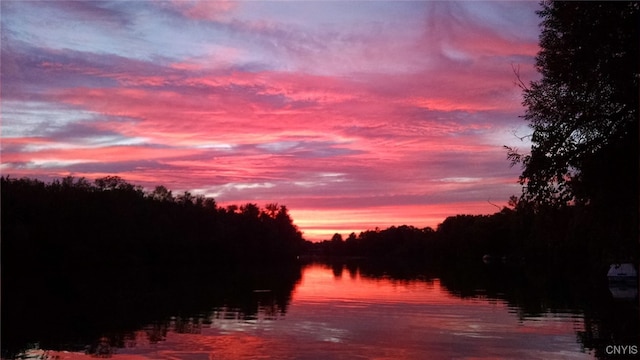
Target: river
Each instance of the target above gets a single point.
(341, 312)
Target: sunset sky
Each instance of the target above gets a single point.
(354, 115)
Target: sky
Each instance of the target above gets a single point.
(353, 114)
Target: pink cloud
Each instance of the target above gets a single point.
(351, 125)
(106, 154)
(203, 9)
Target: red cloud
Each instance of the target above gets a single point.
(377, 122)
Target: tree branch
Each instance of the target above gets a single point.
(519, 83)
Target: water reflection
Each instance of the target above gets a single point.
(64, 314)
(419, 319)
(350, 310)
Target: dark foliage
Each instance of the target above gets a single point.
(404, 242)
(86, 246)
(584, 116)
(584, 109)
(548, 241)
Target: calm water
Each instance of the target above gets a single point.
(342, 313)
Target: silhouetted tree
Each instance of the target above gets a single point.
(113, 224)
(115, 183)
(250, 210)
(584, 109)
(161, 193)
(584, 116)
(85, 259)
(232, 208)
(271, 209)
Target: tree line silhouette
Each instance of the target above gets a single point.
(111, 227)
(100, 251)
(74, 223)
(550, 241)
(83, 257)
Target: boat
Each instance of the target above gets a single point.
(625, 272)
(623, 281)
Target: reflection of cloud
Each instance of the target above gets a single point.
(359, 316)
(322, 331)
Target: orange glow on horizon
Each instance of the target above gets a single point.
(395, 114)
(321, 224)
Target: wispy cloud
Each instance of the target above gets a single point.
(354, 114)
